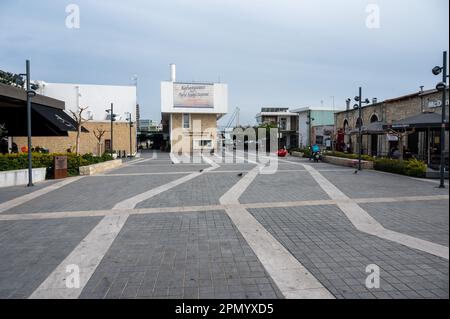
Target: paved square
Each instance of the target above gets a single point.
(190, 255)
(156, 228)
(30, 250)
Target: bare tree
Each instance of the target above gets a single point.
(3, 130)
(80, 120)
(401, 134)
(99, 132)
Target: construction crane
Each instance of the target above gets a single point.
(234, 117)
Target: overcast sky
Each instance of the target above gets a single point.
(280, 52)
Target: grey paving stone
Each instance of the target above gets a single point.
(9, 193)
(428, 220)
(93, 193)
(158, 168)
(282, 187)
(370, 184)
(193, 244)
(203, 190)
(333, 236)
(30, 250)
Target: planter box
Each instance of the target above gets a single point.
(297, 154)
(20, 177)
(347, 162)
(99, 168)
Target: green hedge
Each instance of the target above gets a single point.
(412, 167)
(20, 161)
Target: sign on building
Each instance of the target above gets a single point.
(436, 103)
(193, 95)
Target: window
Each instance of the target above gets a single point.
(108, 145)
(186, 121)
(205, 143)
(202, 144)
(283, 124)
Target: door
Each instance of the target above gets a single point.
(374, 145)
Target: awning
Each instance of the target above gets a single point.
(420, 121)
(375, 128)
(58, 118)
(47, 117)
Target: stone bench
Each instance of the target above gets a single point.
(297, 154)
(100, 167)
(349, 162)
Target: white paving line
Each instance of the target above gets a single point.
(26, 198)
(131, 203)
(367, 224)
(86, 256)
(291, 277)
(89, 253)
(190, 209)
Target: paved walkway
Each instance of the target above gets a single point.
(159, 227)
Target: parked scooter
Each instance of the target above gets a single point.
(317, 156)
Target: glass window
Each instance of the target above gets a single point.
(186, 121)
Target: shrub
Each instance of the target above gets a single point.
(390, 165)
(411, 167)
(416, 168)
(20, 161)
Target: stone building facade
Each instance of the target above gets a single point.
(200, 134)
(376, 141)
(88, 142)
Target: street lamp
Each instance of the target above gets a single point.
(30, 94)
(442, 86)
(131, 138)
(113, 119)
(359, 123)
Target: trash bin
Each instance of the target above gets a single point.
(59, 167)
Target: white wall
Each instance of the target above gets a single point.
(303, 129)
(220, 100)
(97, 97)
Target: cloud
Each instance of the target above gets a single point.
(284, 52)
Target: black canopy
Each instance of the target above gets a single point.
(420, 121)
(47, 117)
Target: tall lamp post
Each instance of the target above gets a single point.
(30, 94)
(113, 119)
(359, 123)
(131, 135)
(442, 86)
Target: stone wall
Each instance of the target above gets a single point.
(387, 111)
(202, 127)
(88, 141)
(100, 167)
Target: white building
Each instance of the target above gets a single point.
(97, 97)
(285, 121)
(308, 120)
(190, 111)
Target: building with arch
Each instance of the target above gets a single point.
(418, 113)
